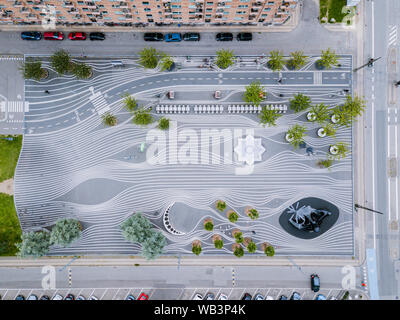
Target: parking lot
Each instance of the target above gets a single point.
(175, 293)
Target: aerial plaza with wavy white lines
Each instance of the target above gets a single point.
(71, 165)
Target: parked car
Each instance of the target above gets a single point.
(153, 36)
(20, 297)
(223, 297)
(97, 36)
(247, 296)
(258, 296)
(269, 298)
(217, 94)
(244, 36)
(44, 297)
(173, 37)
(209, 296)
(31, 35)
(283, 297)
(69, 296)
(315, 283)
(320, 297)
(93, 298)
(171, 94)
(32, 297)
(80, 297)
(77, 36)
(143, 296)
(191, 37)
(53, 36)
(130, 297)
(224, 36)
(197, 296)
(57, 297)
(295, 296)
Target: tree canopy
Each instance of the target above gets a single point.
(321, 113)
(34, 244)
(142, 117)
(254, 93)
(276, 61)
(163, 124)
(136, 228)
(239, 252)
(129, 102)
(109, 119)
(300, 102)
(225, 58)
(154, 245)
(269, 251)
(149, 57)
(328, 58)
(218, 244)
(251, 247)
(65, 232)
(32, 70)
(268, 116)
(61, 62)
(82, 70)
(297, 133)
(297, 60)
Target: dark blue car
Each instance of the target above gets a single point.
(31, 35)
(173, 37)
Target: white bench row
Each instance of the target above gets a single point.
(281, 108)
(173, 108)
(208, 109)
(244, 109)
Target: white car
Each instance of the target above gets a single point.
(93, 298)
(57, 297)
(223, 297)
(197, 296)
(32, 297)
(171, 94)
(269, 298)
(217, 94)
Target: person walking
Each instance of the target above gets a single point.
(47, 91)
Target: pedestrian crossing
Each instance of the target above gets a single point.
(317, 77)
(11, 58)
(392, 39)
(14, 106)
(99, 103)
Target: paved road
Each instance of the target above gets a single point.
(382, 141)
(174, 283)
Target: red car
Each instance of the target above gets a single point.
(143, 296)
(77, 36)
(53, 36)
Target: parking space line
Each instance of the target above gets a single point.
(217, 293)
(241, 295)
(115, 294)
(92, 293)
(279, 293)
(17, 294)
(105, 291)
(194, 292)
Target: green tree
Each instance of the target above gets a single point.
(328, 59)
(196, 248)
(342, 150)
(253, 214)
(321, 113)
(233, 217)
(276, 61)
(154, 245)
(221, 205)
(300, 102)
(149, 57)
(34, 244)
(81, 70)
(251, 247)
(297, 133)
(163, 124)
(33, 70)
(65, 232)
(325, 163)
(166, 63)
(329, 129)
(268, 117)
(255, 93)
(61, 62)
(352, 108)
(218, 244)
(129, 102)
(238, 237)
(238, 252)
(109, 119)
(209, 226)
(225, 58)
(142, 117)
(136, 228)
(269, 251)
(297, 60)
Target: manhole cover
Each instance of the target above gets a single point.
(394, 225)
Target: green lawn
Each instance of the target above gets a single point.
(332, 9)
(10, 231)
(9, 153)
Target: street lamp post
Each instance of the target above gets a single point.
(357, 206)
(370, 63)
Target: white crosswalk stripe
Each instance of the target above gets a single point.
(317, 77)
(99, 103)
(392, 38)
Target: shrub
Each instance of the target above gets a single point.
(268, 117)
(321, 113)
(154, 245)
(238, 237)
(81, 70)
(269, 251)
(325, 163)
(61, 62)
(136, 228)
(109, 119)
(166, 63)
(329, 129)
(218, 244)
(300, 102)
(255, 93)
(225, 58)
(221, 205)
(209, 226)
(163, 124)
(129, 103)
(251, 247)
(196, 249)
(253, 214)
(233, 217)
(142, 117)
(238, 252)
(34, 244)
(65, 232)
